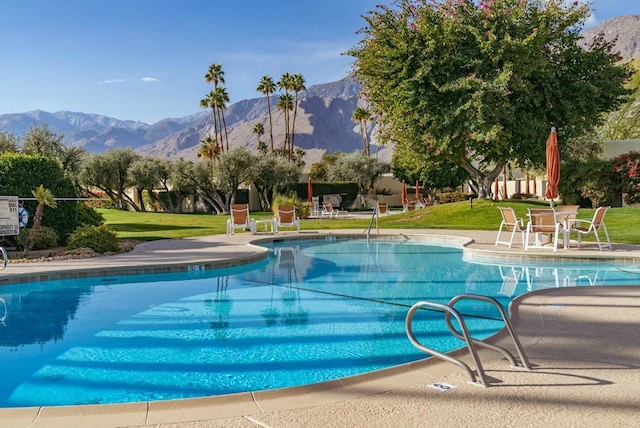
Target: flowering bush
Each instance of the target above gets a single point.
(627, 166)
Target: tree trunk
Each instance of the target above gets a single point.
(483, 180)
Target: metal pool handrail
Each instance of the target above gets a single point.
(505, 318)
(374, 215)
(5, 258)
(449, 310)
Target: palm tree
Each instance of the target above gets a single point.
(214, 75)
(258, 129)
(209, 148)
(210, 102)
(361, 116)
(286, 83)
(218, 99)
(45, 198)
(285, 103)
(268, 87)
(222, 98)
(297, 85)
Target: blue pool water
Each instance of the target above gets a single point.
(313, 311)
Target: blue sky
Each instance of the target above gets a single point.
(146, 59)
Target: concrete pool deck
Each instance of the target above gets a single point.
(583, 343)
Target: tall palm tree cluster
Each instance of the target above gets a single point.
(362, 117)
(292, 85)
(218, 142)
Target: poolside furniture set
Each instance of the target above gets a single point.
(240, 219)
(553, 222)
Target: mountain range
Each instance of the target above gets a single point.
(323, 122)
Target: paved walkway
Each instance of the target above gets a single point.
(583, 343)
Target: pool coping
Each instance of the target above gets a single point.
(252, 403)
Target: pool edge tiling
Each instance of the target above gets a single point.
(400, 396)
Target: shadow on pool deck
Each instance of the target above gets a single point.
(583, 343)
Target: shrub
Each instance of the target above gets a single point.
(589, 183)
(520, 196)
(303, 209)
(21, 174)
(627, 166)
(88, 216)
(100, 239)
(46, 237)
(447, 197)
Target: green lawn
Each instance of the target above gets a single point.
(622, 223)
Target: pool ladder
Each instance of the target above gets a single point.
(374, 216)
(449, 311)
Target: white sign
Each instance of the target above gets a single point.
(441, 386)
(9, 221)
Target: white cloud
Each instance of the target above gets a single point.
(149, 79)
(591, 21)
(111, 81)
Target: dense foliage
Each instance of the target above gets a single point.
(22, 174)
(589, 183)
(627, 166)
(45, 237)
(100, 239)
(480, 84)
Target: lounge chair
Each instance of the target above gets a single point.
(510, 223)
(329, 211)
(286, 217)
(542, 220)
(593, 226)
(412, 205)
(240, 219)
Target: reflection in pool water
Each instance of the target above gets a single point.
(313, 311)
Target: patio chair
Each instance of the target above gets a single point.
(542, 220)
(566, 215)
(510, 280)
(593, 226)
(240, 219)
(510, 223)
(383, 208)
(286, 217)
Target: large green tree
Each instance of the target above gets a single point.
(481, 84)
(358, 168)
(110, 173)
(40, 140)
(273, 174)
(9, 142)
(231, 170)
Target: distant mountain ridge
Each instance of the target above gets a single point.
(625, 28)
(323, 123)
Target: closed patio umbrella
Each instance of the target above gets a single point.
(403, 194)
(309, 190)
(553, 166)
(417, 190)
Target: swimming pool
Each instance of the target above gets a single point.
(313, 311)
